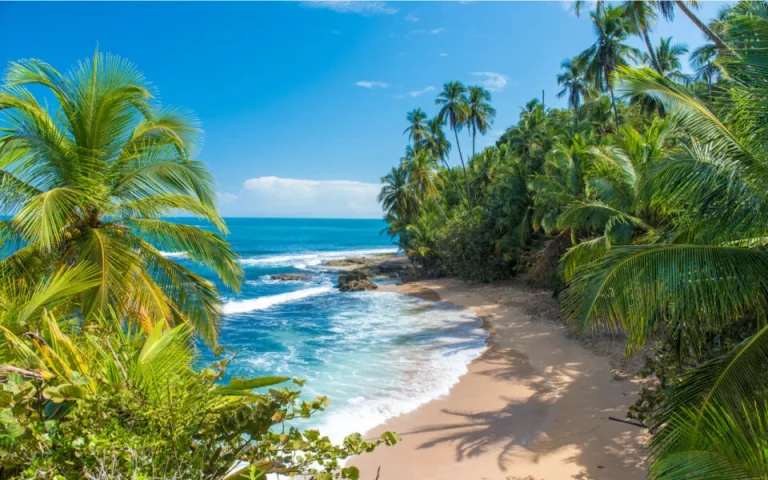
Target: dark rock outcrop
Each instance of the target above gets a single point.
(289, 277)
(345, 263)
(356, 281)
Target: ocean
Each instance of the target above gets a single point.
(375, 355)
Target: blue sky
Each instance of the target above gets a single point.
(303, 104)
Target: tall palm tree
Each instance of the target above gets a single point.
(641, 15)
(454, 112)
(702, 61)
(396, 194)
(435, 140)
(668, 55)
(608, 52)
(714, 271)
(89, 184)
(417, 128)
(480, 112)
(574, 84)
(422, 176)
(667, 9)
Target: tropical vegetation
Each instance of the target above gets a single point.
(642, 205)
(100, 373)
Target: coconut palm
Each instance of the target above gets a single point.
(617, 206)
(641, 16)
(608, 52)
(667, 9)
(454, 111)
(422, 176)
(702, 61)
(417, 128)
(396, 194)
(714, 271)
(668, 56)
(574, 85)
(480, 112)
(90, 182)
(435, 140)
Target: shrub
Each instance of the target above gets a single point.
(467, 248)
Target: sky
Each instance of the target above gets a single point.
(303, 103)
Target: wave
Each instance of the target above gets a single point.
(310, 259)
(262, 303)
(174, 254)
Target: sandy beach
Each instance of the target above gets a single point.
(534, 406)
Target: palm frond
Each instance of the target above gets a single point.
(636, 288)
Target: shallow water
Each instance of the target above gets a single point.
(375, 355)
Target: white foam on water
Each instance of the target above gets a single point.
(428, 350)
(174, 254)
(309, 259)
(263, 303)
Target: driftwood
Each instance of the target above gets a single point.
(6, 370)
(629, 422)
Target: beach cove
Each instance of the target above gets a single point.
(534, 406)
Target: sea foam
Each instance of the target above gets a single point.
(262, 303)
(309, 259)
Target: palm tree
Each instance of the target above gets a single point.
(715, 271)
(480, 112)
(668, 55)
(454, 112)
(89, 184)
(574, 85)
(702, 61)
(608, 52)
(435, 140)
(667, 9)
(396, 194)
(641, 15)
(417, 129)
(422, 175)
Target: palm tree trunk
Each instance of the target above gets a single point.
(615, 110)
(434, 199)
(652, 52)
(576, 117)
(474, 133)
(707, 31)
(463, 167)
(607, 77)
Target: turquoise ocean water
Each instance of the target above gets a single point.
(375, 355)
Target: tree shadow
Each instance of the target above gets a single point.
(520, 426)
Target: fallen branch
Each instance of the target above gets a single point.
(629, 422)
(6, 370)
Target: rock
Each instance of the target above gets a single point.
(345, 262)
(390, 267)
(356, 281)
(289, 277)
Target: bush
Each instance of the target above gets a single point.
(467, 248)
(116, 405)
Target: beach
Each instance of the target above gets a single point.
(534, 406)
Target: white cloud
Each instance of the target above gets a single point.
(371, 84)
(492, 81)
(416, 93)
(443, 54)
(434, 31)
(353, 6)
(411, 18)
(290, 197)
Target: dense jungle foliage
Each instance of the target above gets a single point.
(653, 181)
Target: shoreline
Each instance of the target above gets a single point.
(533, 406)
